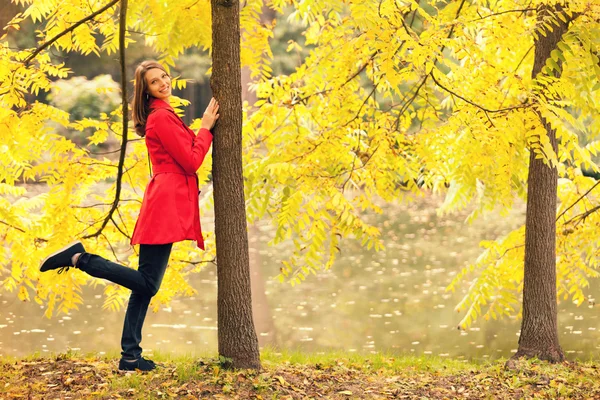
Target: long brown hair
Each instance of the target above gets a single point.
(140, 105)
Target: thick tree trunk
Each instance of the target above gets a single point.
(539, 328)
(237, 336)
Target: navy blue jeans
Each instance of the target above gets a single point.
(144, 283)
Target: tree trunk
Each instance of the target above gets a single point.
(237, 337)
(539, 328)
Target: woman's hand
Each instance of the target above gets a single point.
(211, 115)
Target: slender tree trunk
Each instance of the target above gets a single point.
(539, 328)
(237, 336)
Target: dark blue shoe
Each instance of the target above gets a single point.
(62, 258)
(141, 364)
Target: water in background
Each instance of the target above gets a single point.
(389, 301)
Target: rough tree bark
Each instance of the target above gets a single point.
(539, 328)
(237, 337)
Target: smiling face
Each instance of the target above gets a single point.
(158, 83)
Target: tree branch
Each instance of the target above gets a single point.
(361, 69)
(414, 96)
(487, 110)
(315, 146)
(578, 200)
(125, 112)
(104, 204)
(12, 226)
(462, 3)
(361, 107)
(213, 260)
(70, 29)
(353, 162)
(410, 101)
(191, 5)
(355, 168)
(119, 228)
(524, 10)
(582, 216)
(37, 240)
(103, 153)
(95, 163)
(123, 222)
(112, 249)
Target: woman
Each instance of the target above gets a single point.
(169, 210)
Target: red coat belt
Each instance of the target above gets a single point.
(191, 179)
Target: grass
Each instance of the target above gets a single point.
(297, 375)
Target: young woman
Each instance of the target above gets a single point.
(169, 210)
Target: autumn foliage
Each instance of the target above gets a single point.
(395, 99)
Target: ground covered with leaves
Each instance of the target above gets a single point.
(298, 377)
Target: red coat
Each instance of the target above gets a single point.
(170, 211)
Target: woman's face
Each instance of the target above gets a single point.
(158, 83)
